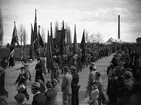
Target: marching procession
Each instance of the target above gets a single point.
(60, 59)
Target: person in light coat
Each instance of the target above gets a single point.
(94, 95)
(66, 86)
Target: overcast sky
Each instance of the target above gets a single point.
(93, 15)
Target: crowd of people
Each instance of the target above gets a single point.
(46, 93)
(124, 78)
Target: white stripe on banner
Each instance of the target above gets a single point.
(8, 61)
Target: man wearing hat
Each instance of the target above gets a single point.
(38, 98)
(20, 99)
(3, 65)
(125, 90)
(66, 86)
(39, 71)
(74, 85)
(26, 65)
(3, 101)
(128, 79)
(3, 92)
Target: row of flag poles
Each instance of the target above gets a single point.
(37, 42)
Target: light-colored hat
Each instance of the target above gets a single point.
(21, 88)
(93, 67)
(92, 64)
(35, 85)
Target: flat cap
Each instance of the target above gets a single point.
(128, 73)
(35, 85)
(22, 67)
(73, 68)
(98, 74)
(54, 81)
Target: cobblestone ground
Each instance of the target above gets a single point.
(12, 73)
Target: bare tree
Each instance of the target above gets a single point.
(23, 39)
(92, 38)
(20, 34)
(99, 37)
(87, 37)
(43, 35)
(68, 35)
(56, 29)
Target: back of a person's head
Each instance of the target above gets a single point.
(3, 101)
(98, 74)
(54, 82)
(19, 98)
(66, 68)
(39, 80)
(49, 84)
(127, 74)
(38, 59)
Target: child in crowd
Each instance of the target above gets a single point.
(94, 95)
(21, 81)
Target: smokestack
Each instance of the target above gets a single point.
(118, 26)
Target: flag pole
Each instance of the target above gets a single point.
(9, 54)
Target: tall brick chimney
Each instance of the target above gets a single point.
(118, 26)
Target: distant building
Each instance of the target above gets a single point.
(114, 40)
(138, 40)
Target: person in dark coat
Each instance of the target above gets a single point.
(22, 78)
(38, 98)
(3, 65)
(21, 81)
(39, 72)
(51, 94)
(26, 65)
(20, 99)
(112, 89)
(42, 85)
(74, 85)
(3, 101)
(11, 62)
